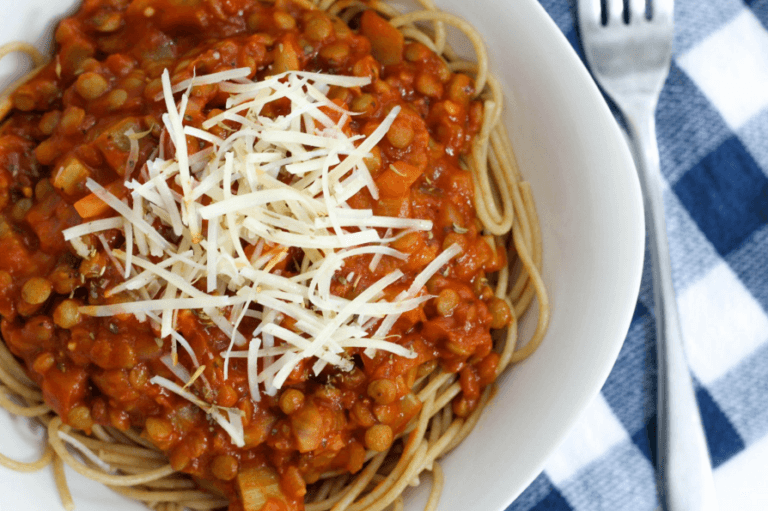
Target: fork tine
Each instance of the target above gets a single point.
(589, 12)
(663, 10)
(615, 11)
(636, 11)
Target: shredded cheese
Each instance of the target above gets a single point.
(92, 227)
(233, 424)
(272, 184)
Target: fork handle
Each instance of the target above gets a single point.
(684, 467)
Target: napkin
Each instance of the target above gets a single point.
(712, 123)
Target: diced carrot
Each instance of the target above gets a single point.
(115, 145)
(393, 206)
(386, 41)
(396, 181)
(91, 206)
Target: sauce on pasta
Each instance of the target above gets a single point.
(69, 123)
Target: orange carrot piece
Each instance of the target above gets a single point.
(393, 206)
(91, 206)
(396, 180)
(386, 41)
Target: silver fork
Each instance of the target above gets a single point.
(629, 56)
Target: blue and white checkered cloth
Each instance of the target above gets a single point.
(713, 140)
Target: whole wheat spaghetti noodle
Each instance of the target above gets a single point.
(123, 457)
(37, 59)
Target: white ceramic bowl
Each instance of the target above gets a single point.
(571, 150)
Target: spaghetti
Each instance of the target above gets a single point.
(37, 59)
(436, 400)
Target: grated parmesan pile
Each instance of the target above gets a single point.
(226, 200)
